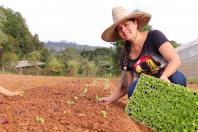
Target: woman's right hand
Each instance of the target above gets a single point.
(105, 100)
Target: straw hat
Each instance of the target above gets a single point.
(120, 15)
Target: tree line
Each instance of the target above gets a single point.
(17, 43)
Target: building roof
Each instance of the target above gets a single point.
(189, 50)
(187, 45)
(24, 63)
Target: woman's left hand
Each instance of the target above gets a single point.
(16, 93)
(165, 78)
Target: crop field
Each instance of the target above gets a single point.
(62, 104)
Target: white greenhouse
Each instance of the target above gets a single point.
(189, 56)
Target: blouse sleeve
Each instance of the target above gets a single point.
(158, 38)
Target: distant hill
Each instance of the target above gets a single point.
(60, 46)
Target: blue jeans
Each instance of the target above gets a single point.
(177, 78)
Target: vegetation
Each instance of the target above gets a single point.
(175, 44)
(62, 45)
(103, 113)
(164, 106)
(98, 98)
(17, 43)
(17, 38)
(40, 120)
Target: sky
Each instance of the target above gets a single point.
(83, 21)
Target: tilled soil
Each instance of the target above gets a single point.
(62, 104)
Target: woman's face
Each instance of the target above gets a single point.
(127, 30)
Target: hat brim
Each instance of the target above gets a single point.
(110, 35)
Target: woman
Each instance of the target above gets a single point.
(147, 52)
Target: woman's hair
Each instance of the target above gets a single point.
(124, 63)
(133, 19)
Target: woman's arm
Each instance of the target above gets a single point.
(118, 92)
(170, 54)
(7, 92)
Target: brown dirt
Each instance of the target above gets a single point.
(47, 97)
(193, 86)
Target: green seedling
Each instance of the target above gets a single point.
(84, 92)
(70, 102)
(106, 84)
(98, 98)
(22, 93)
(75, 97)
(106, 87)
(40, 120)
(103, 113)
(95, 82)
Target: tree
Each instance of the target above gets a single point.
(45, 55)
(55, 65)
(116, 50)
(3, 37)
(11, 45)
(90, 68)
(175, 44)
(9, 60)
(146, 28)
(98, 52)
(15, 34)
(68, 54)
(105, 68)
(34, 57)
(73, 67)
